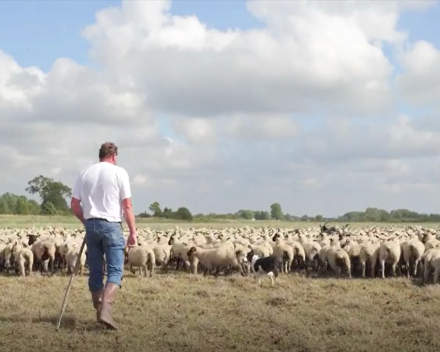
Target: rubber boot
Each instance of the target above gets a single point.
(108, 297)
(97, 299)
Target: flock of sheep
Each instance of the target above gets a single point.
(411, 251)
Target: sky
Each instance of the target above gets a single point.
(323, 106)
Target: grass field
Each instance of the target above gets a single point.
(183, 312)
(18, 221)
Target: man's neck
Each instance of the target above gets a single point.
(107, 161)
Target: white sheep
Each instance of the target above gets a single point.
(217, 257)
(337, 259)
(389, 252)
(412, 251)
(142, 257)
(23, 257)
(71, 257)
(431, 260)
(368, 254)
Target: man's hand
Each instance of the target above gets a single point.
(132, 239)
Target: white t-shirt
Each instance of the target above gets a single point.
(101, 188)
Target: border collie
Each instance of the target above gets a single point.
(266, 266)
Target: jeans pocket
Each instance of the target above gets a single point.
(112, 236)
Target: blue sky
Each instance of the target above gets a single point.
(38, 32)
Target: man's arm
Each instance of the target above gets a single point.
(75, 203)
(127, 204)
(77, 210)
(128, 215)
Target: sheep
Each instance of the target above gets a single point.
(8, 257)
(72, 256)
(292, 249)
(179, 251)
(337, 259)
(412, 251)
(299, 255)
(22, 256)
(162, 253)
(389, 252)
(353, 250)
(283, 252)
(368, 255)
(217, 257)
(431, 260)
(262, 249)
(44, 251)
(142, 257)
(430, 241)
(311, 250)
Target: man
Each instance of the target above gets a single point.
(105, 193)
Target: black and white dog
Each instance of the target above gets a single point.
(266, 266)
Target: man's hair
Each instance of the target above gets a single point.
(107, 149)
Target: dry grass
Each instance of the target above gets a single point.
(182, 312)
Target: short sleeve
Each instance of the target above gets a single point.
(76, 192)
(125, 185)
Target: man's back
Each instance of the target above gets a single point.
(101, 188)
(104, 191)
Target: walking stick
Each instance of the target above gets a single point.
(75, 271)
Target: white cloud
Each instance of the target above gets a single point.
(420, 83)
(301, 111)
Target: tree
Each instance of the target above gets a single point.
(51, 191)
(167, 212)
(276, 212)
(183, 214)
(48, 209)
(262, 215)
(18, 205)
(246, 214)
(155, 209)
(319, 218)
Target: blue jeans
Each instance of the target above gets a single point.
(107, 238)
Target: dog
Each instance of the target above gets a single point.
(266, 266)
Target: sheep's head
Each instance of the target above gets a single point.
(334, 241)
(241, 256)
(172, 240)
(32, 239)
(302, 238)
(276, 236)
(191, 251)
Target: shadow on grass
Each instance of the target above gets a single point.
(70, 323)
(67, 323)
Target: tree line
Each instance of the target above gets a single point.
(55, 198)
